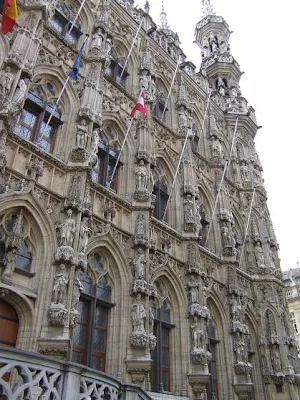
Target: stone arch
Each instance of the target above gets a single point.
(120, 319)
(25, 311)
(224, 351)
(177, 301)
(255, 358)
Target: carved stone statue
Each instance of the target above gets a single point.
(97, 39)
(139, 264)
(10, 263)
(193, 290)
(144, 81)
(108, 46)
(227, 238)
(216, 148)
(84, 233)
(6, 80)
(244, 173)
(197, 334)
(205, 45)
(138, 315)
(81, 134)
(240, 351)
(20, 93)
(141, 177)
(275, 360)
(182, 117)
(67, 228)
(259, 255)
(61, 280)
(213, 42)
(95, 142)
(140, 225)
(188, 207)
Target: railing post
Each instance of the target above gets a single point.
(71, 383)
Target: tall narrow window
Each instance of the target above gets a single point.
(160, 190)
(212, 366)
(161, 366)
(90, 333)
(106, 161)
(159, 109)
(34, 116)
(62, 20)
(115, 72)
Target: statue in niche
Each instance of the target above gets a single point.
(226, 236)
(205, 45)
(81, 134)
(61, 280)
(84, 233)
(197, 334)
(108, 46)
(240, 349)
(213, 42)
(153, 87)
(182, 117)
(259, 255)
(275, 360)
(144, 81)
(198, 219)
(141, 177)
(77, 289)
(20, 93)
(10, 262)
(188, 207)
(6, 80)
(216, 147)
(95, 142)
(138, 315)
(97, 39)
(139, 264)
(68, 230)
(193, 286)
(244, 173)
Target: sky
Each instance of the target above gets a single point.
(265, 42)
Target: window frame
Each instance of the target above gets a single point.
(116, 68)
(159, 109)
(86, 350)
(42, 110)
(162, 198)
(66, 24)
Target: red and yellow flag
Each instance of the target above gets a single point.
(9, 15)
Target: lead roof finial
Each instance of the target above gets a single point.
(207, 8)
(163, 20)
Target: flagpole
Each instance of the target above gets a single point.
(76, 17)
(176, 173)
(172, 83)
(216, 202)
(120, 152)
(233, 139)
(247, 227)
(131, 47)
(54, 108)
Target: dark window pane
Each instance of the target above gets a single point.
(103, 291)
(24, 258)
(76, 357)
(86, 283)
(165, 379)
(101, 316)
(164, 336)
(165, 357)
(99, 340)
(96, 363)
(79, 335)
(57, 24)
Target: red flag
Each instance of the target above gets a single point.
(9, 15)
(140, 106)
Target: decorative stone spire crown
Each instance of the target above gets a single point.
(207, 8)
(163, 20)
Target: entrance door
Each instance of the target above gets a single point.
(9, 325)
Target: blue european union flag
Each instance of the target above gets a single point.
(74, 73)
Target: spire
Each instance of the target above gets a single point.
(163, 20)
(147, 7)
(207, 8)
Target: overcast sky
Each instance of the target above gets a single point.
(265, 42)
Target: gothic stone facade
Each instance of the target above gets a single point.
(125, 271)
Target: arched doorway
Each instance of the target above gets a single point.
(9, 325)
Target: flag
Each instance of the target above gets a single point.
(140, 106)
(9, 15)
(74, 73)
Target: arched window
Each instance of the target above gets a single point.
(160, 190)
(32, 124)
(115, 70)
(90, 333)
(62, 19)
(17, 240)
(161, 366)
(9, 325)
(212, 390)
(159, 109)
(108, 151)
